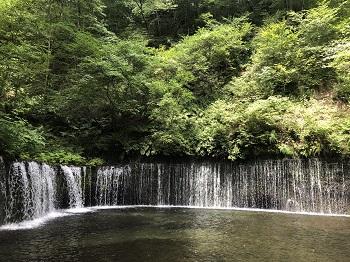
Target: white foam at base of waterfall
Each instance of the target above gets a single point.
(79, 210)
(38, 222)
(31, 224)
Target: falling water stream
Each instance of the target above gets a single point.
(74, 184)
(29, 190)
(291, 185)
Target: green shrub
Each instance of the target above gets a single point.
(19, 139)
(205, 61)
(61, 157)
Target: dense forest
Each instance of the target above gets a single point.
(88, 81)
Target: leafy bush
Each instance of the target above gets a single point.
(172, 128)
(61, 157)
(206, 60)
(274, 126)
(341, 62)
(212, 127)
(95, 162)
(289, 56)
(19, 138)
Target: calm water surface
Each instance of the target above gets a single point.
(179, 234)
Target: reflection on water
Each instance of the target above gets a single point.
(178, 234)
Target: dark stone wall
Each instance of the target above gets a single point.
(62, 196)
(89, 185)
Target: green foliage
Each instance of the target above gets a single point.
(19, 138)
(108, 92)
(66, 156)
(290, 56)
(212, 127)
(165, 21)
(172, 128)
(95, 162)
(61, 157)
(274, 126)
(205, 61)
(6, 4)
(341, 62)
(83, 81)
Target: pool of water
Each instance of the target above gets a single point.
(180, 234)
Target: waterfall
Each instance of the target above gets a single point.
(30, 192)
(42, 188)
(291, 185)
(74, 185)
(110, 185)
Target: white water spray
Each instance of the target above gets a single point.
(290, 185)
(74, 185)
